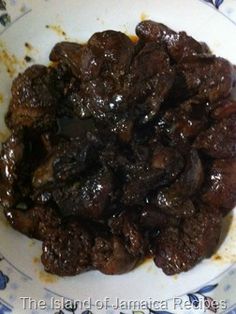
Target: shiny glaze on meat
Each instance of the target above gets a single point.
(122, 150)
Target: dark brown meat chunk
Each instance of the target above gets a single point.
(10, 160)
(124, 226)
(89, 199)
(207, 77)
(178, 44)
(34, 99)
(178, 250)
(36, 222)
(141, 178)
(80, 59)
(220, 187)
(66, 161)
(111, 257)
(68, 53)
(180, 126)
(67, 252)
(175, 200)
(115, 49)
(151, 172)
(152, 31)
(219, 141)
(152, 78)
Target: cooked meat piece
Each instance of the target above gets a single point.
(34, 99)
(220, 187)
(20, 155)
(89, 199)
(115, 49)
(124, 226)
(73, 158)
(178, 250)
(66, 161)
(174, 200)
(36, 222)
(67, 252)
(152, 31)
(181, 126)
(151, 60)
(206, 76)
(68, 53)
(219, 141)
(192, 177)
(151, 78)
(86, 62)
(10, 160)
(111, 257)
(142, 177)
(178, 44)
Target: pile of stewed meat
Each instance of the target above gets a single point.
(122, 150)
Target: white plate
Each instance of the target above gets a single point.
(21, 274)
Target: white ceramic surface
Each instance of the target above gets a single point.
(21, 274)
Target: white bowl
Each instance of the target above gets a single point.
(21, 274)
